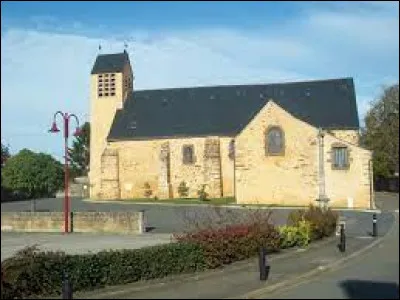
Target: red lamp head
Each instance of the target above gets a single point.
(54, 128)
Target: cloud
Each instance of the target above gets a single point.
(46, 71)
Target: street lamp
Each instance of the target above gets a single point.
(54, 129)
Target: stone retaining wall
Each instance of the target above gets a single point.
(88, 222)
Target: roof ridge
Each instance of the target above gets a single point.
(247, 85)
(117, 53)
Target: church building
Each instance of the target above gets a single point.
(283, 143)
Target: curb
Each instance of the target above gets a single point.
(293, 282)
(226, 206)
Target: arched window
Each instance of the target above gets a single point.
(274, 141)
(188, 154)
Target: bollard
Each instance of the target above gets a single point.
(33, 205)
(263, 264)
(66, 288)
(342, 245)
(374, 226)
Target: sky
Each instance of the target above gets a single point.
(48, 50)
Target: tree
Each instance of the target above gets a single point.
(33, 174)
(79, 154)
(381, 132)
(5, 154)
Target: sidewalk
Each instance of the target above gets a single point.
(77, 243)
(240, 279)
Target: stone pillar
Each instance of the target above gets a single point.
(109, 175)
(212, 168)
(322, 198)
(164, 182)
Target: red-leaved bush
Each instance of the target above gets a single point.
(233, 242)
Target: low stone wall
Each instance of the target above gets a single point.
(108, 222)
(89, 222)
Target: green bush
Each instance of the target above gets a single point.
(147, 190)
(295, 235)
(323, 223)
(33, 273)
(202, 193)
(183, 190)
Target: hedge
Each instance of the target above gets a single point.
(31, 272)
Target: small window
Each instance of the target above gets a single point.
(101, 76)
(106, 94)
(112, 75)
(274, 141)
(188, 154)
(100, 95)
(100, 80)
(340, 157)
(112, 94)
(231, 150)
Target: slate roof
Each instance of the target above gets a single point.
(226, 110)
(110, 63)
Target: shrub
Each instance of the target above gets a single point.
(183, 190)
(33, 273)
(147, 190)
(233, 243)
(295, 235)
(323, 223)
(202, 193)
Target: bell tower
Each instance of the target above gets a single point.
(111, 83)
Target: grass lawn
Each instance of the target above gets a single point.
(214, 201)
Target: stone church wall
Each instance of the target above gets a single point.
(159, 163)
(293, 178)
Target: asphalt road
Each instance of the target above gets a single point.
(170, 219)
(159, 218)
(374, 275)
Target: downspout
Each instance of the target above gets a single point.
(371, 185)
(234, 170)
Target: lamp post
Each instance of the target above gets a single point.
(54, 129)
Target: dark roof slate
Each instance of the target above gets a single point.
(110, 63)
(226, 110)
